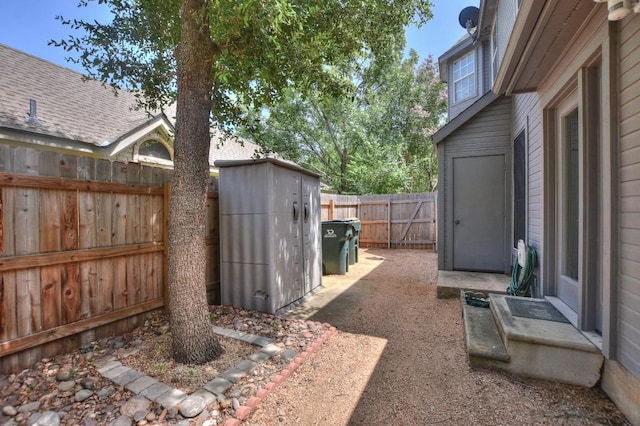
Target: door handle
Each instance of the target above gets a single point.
(306, 212)
(295, 211)
(457, 222)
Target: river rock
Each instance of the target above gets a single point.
(135, 404)
(192, 406)
(83, 394)
(48, 418)
(30, 407)
(66, 386)
(122, 421)
(63, 374)
(9, 410)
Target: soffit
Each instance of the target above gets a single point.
(542, 32)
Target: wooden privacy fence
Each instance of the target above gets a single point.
(388, 221)
(84, 258)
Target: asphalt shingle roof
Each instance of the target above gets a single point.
(67, 106)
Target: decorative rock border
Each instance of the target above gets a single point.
(244, 411)
(192, 405)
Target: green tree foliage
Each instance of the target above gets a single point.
(208, 56)
(374, 139)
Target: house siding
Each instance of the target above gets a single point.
(528, 116)
(629, 189)
(487, 75)
(490, 130)
(506, 18)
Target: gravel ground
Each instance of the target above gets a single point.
(399, 359)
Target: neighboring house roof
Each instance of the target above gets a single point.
(67, 107)
(463, 117)
(231, 148)
(83, 115)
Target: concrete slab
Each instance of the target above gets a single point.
(551, 333)
(339, 296)
(546, 349)
(482, 338)
(451, 282)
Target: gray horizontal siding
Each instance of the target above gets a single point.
(629, 214)
(489, 130)
(528, 115)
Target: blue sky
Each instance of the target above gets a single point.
(28, 25)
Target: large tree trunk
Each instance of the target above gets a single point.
(194, 341)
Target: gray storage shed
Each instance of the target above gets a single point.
(270, 225)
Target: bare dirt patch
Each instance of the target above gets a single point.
(153, 357)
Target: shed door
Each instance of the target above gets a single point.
(479, 213)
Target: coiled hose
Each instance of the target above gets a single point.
(521, 277)
(520, 284)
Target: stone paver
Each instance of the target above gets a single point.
(127, 377)
(155, 390)
(218, 385)
(171, 398)
(142, 383)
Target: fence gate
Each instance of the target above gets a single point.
(388, 221)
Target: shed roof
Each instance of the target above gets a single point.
(466, 115)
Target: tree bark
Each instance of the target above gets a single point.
(194, 341)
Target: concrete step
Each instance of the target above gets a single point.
(482, 338)
(450, 283)
(541, 347)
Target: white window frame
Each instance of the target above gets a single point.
(471, 74)
(494, 51)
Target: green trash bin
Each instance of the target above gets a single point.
(335, 246)
(354, 242)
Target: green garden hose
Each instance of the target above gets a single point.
(521, 278)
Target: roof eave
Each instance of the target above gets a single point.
(542, 30)
(522, 29)
(158, 122)
(463, 117)
(443, 60)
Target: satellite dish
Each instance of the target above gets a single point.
(468, 18)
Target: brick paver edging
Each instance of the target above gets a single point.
(252, 403)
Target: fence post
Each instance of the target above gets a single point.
(165, 238)
(332, 209)
(389, 222)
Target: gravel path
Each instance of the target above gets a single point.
(399, 359)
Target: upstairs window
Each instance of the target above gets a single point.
(464, 77)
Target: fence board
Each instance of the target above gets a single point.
(389, 220)
(70, 272)
(81, 250)
(50, 232)
(8, 303)
(87, 240)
